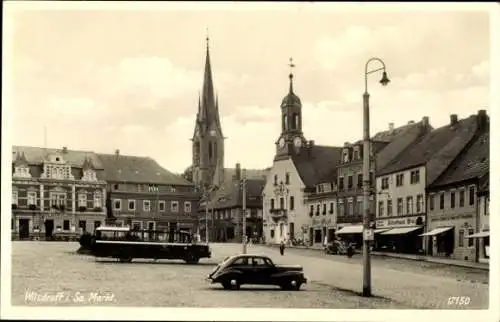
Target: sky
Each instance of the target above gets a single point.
(103, 79)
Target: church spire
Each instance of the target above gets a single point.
(291, 75)
(208, 101)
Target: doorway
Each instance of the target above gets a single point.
(24, 228)
(49, 228)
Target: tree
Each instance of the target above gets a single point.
(188, 174)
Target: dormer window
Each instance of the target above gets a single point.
(356, 153)
(345, 156)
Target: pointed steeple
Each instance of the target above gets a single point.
(208, 101)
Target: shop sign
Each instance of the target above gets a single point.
(322, 221)
(400, 222)
(446, 217)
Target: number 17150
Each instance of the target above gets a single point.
(458, 300)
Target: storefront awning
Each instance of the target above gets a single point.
(400, 231)
(479, 234)
(380, 230)
(436, 231)
(355, 229)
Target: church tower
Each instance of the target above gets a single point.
(208, 140)
(291, 139)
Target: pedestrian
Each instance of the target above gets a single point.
(350, 250)
(282, 248)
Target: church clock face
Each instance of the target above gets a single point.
(297, 142)
(281, 142)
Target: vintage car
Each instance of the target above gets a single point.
(253, 269)
(336, 247)
(126, 244)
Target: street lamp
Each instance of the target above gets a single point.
(367, 232)
(244, 210)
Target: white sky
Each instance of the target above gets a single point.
(112, 79)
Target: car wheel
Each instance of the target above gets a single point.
(295, 285)
(234, 284)
(226, 285)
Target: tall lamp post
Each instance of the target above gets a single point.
(367, 232)
(244, 211)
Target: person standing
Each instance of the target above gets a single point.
(282, 248)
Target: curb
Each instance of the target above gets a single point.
(400, 257)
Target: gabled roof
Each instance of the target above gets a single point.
(316, 164)
(230, 173)
(37, 155)
(472, 163)
(125, 168)
(437, 149)
(230, 195)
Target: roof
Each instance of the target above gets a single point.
(229, 173)
(37, 155)
(316, 164)
(230, 195)
(436, 149)
(125, 168)
(472, 163)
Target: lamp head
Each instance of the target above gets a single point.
(385, 80)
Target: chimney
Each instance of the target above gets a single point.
(65, 149)
(411, 122)
(453, 119)
(482, 119)
(117, 152)
(425, 121)
(391, 126)
(238, 172)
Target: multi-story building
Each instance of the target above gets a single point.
(225, 210)
(483, 236)
(144, 195)
(298, 166)
(385, 146)
(56, 190)
(454, 209)
(401, 185)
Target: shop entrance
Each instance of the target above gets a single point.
(24, 228)
(49, 228)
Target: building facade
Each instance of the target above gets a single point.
(56, 192)
(298, 166)
(402, 186)
(144, 195)
(454, 212)
(483, 236)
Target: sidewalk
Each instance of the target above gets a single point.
(445, 261)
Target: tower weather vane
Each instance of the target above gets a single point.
(292, 65)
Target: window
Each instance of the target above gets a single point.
(151, 225)
(472, 195)
(295, 120)
(282, 203)
(174, 206)
(359, 206)
(420, 204)
(331, 207)
(131, 205)
(360, 180)
(341, 211)
(146, 205)
(471, 240)
(66, 225)
(461, 198)
(400, 206)
(187, 207)
(57, 199)
(317, 210)
(82, 199)
(136, 225)
(275, 179)
(324, 209)
(349, 182)
(441, 200)
(31, 198)
(399, 179)
(272, 204)
(385, 183)
(487, 206)
(272, 233)
(97, 199)
(431, 202)
(15, 197)
(341, 184)
(292, 203)
(452, 199)
(350, 207)
(311, 210)
(415, 177)
(287, 178)
(83, 225)
(389, 207)
(356, 153)
(380, 208)
(116, 186)
(409, 205)
(117, 204)
(345, 157)
(461, 238)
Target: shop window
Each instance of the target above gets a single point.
(66, 225)
(471, 240)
